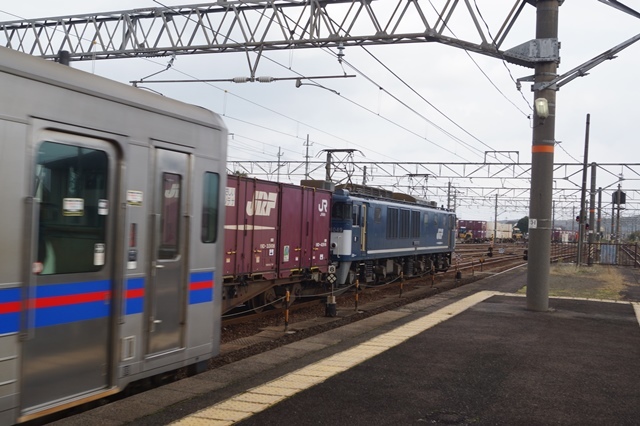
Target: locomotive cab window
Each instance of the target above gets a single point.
(341, 210)
(71, 185)
(210, 207)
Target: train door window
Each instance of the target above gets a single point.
(71, 185)
(355, 215)
(415, 224)
(392, 223)
(405, 216)
(426, 218)
(210, 198)
(377, 215)
(170, 216)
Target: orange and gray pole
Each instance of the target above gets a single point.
(543, 144)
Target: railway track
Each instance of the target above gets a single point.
(467, 263)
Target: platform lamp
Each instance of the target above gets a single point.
(542, 107)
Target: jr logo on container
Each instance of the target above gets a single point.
(323, 208)
(262, 203)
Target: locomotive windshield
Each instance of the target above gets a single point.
(341, 210)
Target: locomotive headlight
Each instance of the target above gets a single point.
(333, 245)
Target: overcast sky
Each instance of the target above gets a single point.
(267, 117)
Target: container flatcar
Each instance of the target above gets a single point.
(276, 240)
(111, 236)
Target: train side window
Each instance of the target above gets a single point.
(210, 210)
(415, 224)
(170, 216)
(426, 218)
(405, 225)
(377, 215)
(71, 184)
(392, 223)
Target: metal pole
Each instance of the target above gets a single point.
(306, 159)
(613, 221)
(618, 215)
(599, 221)
(449, 196)
(553, 217)
(583, 193)
(327, 167)
(543, 145)
(592, 212)
(495, 223)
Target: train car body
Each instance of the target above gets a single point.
(501, 232)
(276, 239)
(562, 236)
(472, 231)
(111, 236)
(376, 237)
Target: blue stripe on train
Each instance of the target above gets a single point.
(9, 310)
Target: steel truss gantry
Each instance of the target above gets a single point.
(258, 26)
(474, 184)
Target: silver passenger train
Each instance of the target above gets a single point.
(112, 211)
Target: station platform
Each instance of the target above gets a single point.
(469, 356)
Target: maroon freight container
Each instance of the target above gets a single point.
(305, 229)
(250, 236)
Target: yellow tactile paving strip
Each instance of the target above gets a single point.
(246, 404)
(254, 400)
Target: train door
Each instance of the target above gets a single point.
(363, 229)
(169, 244)
(66, 326)
(356, 220)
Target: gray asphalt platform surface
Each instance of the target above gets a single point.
(494, 363)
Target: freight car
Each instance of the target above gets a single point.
(377, 234)
(276, 240)
(472, 231)
(111, 236)
(559, 235)
(502, 233)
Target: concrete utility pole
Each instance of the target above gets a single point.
(583, 192)
(543, 144)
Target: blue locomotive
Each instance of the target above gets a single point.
(376, 234)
